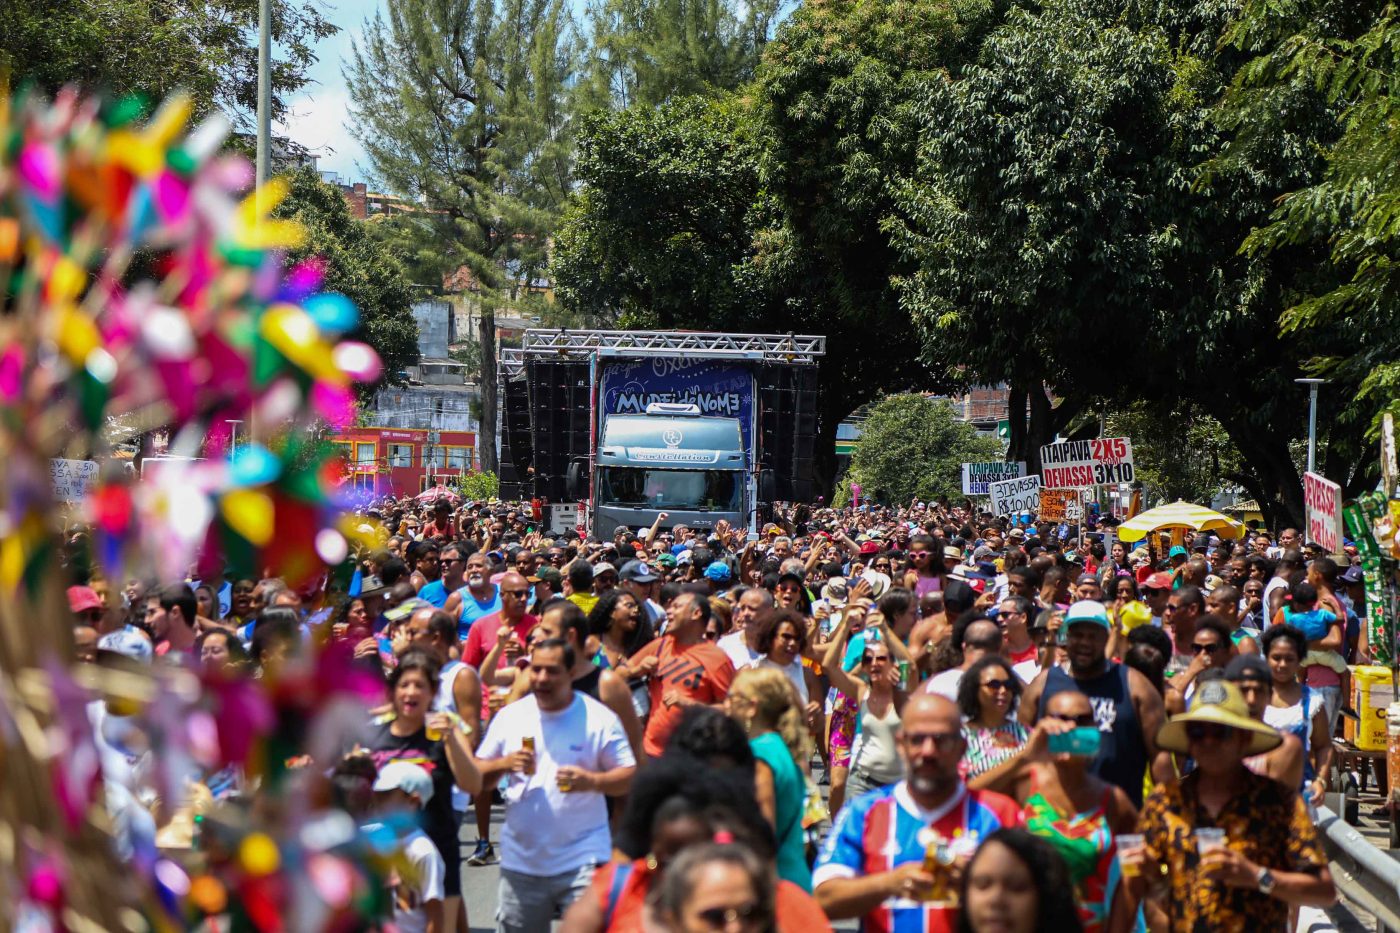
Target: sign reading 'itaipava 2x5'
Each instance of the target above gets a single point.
(977, 476)
(1097, 462)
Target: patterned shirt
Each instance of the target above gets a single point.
(881, 830)
(987, 748)
(1265, 822)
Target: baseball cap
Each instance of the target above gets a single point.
(547, 574)
(683, 559)
(1177, 551)
(719, 572)
(1352, 574)
(1087, 610)
(129, 642)
(1016, 534)
(406, 608)
(666, 560)
(83, 598)
(602, 568)
(868, 548)
(1161, 580)
(407, 777)
(1084, 578)
(635, 571)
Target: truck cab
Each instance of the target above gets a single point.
(671, 459)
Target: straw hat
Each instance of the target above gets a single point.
(1219, 702)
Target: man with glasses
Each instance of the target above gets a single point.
(1185, 605)
(1267, 858)
(1014, 617)
(1126, 706)
(871, 865)
(451, 579)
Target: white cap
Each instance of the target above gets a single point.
(408, 777)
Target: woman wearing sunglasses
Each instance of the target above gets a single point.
(1077, 813)
(875, 759)
(987, 696)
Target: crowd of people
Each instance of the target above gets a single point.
(920, 717)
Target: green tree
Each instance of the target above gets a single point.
(463, 106)
(913, 446)
(646, 52)
(1062, 232)
(358, 265)
(152, 47)
(1179, 451)
(1344, 57)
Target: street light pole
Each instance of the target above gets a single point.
(264, 158)
(1312, 385)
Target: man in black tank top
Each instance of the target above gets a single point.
(1126, 707)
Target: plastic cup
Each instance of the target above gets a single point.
(1209, 838)
(1129, 843)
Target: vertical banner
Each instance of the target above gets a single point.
(1380, 620)
(1322, 503)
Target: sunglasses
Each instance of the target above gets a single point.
(717, 918)
(1197, 647)
(1198, 731)
(872, 658)
(996, 684)
(518, 594)
(942, 740)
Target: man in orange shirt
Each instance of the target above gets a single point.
(684, 669)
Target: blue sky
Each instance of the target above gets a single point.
(320, 114)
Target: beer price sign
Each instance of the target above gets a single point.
(1322, 500)
(1098, 462)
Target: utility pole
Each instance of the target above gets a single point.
(1312, 385)
(264, 163)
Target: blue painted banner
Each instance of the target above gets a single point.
(720, 388)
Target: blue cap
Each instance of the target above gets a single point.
(719, 572)
(1088, 610)
(1176, 551)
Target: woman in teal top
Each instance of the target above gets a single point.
(765, 704)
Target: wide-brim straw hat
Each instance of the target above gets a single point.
(1219, 702)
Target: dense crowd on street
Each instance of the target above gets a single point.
(918, 716)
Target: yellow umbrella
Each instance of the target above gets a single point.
(1179, 514)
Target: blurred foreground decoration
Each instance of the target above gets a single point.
(142, 280)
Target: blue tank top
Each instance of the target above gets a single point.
(1122, 758)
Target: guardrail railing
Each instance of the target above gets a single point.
(1365, 875)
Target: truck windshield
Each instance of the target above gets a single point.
(678, 490)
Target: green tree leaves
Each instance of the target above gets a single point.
(912, 446)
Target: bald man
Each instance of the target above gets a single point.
(515, 595)
(872, 863)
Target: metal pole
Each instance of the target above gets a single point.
(1312, 428)
(264, 163)
(1312, 385)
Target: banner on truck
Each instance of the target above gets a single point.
(1322, 501)
(977, 476)
(1013, 496)
(720, 388)
(1096, 462)
(1059, 505)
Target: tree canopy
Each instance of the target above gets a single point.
(912, 446)
(153, 47)
(358, 265)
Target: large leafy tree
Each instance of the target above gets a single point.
(152, 47)
(1344, 57)
(1064, 235)
(914, 446)
(645, 52)
(464, 107)
(359, 266)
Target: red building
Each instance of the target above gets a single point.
(397, 461)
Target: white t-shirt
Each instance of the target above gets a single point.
(946, 684)
(1027, 670)
(425, 883)
(793, 672)
(740, 654)
(548, 832)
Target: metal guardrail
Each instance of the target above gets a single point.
(1365, 875)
